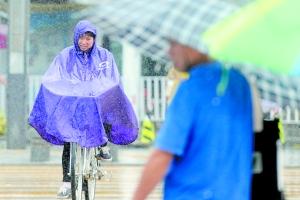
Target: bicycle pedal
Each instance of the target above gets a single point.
(99, 177)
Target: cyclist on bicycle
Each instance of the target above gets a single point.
(81, 100)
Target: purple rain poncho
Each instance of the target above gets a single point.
(80, 93)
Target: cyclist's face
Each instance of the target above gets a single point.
(85, 42)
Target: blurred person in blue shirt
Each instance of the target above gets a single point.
(204, 147)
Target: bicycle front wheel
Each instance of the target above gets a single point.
(91, 175)
(76, 170)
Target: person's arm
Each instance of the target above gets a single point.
(171, 140)
(153, 173)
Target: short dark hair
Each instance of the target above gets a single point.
(89, 33)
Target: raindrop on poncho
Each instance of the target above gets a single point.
(80, 94)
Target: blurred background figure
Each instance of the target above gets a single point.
(207, 129)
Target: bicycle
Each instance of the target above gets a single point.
(84, 171)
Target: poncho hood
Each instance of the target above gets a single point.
(82, 27)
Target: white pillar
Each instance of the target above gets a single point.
(132, 74)
(16, 80)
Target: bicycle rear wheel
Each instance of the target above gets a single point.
(76, 170)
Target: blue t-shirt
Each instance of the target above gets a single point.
(210, 136)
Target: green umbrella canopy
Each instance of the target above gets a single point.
(266, 33)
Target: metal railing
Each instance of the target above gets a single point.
(153, 99)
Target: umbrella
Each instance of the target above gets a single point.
(148, 24)
(264, 33)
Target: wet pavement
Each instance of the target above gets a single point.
(22, 179)
(30, 182)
